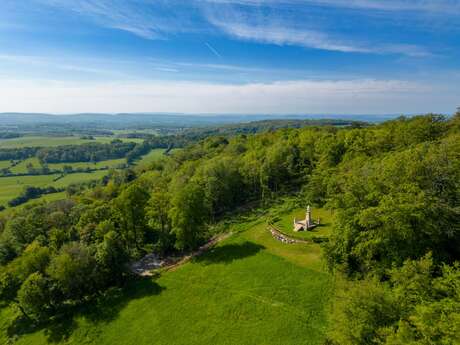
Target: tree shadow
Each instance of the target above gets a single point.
(110, 304)
(228, 253)
(103, 309)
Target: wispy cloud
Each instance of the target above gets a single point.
(279, 22)
(21, 61)
(148, 19)
(441, 6)
(281, 35)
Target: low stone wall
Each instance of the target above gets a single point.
(279, 236)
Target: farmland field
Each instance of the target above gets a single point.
(21, 168)
(250, 289)
(49, 141)
(11, 187)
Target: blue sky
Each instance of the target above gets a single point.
(230, 56)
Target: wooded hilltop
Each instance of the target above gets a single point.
(395, 247)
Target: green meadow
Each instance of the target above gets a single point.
(250, 289)
(5, 164)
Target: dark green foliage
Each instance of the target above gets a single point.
(91, 152)
(33, 296)
(399, 207)
(416, 306)
(73, 271)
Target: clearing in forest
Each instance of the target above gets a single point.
(249, 289)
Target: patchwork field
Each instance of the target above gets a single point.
(250, 289)
(48, 141)
(11, 187)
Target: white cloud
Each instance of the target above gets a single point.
(307, 96)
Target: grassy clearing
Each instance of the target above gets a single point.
(285, 223)
(152, 156)
(48, 141)
(250, 289)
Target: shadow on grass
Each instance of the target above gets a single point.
(103, 309)
(228, 253)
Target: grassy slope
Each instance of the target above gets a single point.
(250, 289)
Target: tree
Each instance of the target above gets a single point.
(129, 207)
(74, 271)
(188, 214)
(111, 257)
(33, 297)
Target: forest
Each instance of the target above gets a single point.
(394, 248)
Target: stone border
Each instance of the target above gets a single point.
(279, 236)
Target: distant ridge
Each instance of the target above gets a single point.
(171, 119)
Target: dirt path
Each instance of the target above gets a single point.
(150, 262)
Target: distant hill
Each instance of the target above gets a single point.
(166, 119)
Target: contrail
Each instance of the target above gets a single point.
(214, 51)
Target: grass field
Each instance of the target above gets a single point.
(4, 164)
(48, 141)
(285, 223)
(11, 187)
(250, 289)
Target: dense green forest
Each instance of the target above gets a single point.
(395, 188)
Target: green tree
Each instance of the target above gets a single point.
(74, 271)
(129, 208)
(33, 297)
(188, 215)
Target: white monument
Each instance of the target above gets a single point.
(307, 224)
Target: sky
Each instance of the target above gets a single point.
(230, 56)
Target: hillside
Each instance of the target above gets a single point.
(385, 201)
